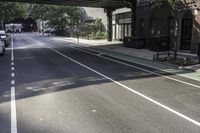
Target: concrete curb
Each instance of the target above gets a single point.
(173, 69)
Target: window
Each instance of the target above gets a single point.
(141, 26)
(113, 17)
(142, 2)
(171, 25)
(152, 27)
(128, 15)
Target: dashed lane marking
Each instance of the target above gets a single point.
(12, 75)
(12, 82)
(13, 112)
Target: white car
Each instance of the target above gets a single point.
(2, 47)
(5, 37)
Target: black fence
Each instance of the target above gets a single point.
(181, 59)
(159, 43)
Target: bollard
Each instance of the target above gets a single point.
(157, 56)
(198, 52)
(187, 60)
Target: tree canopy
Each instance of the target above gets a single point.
(173, 4)
(11, 10)
(56, 16)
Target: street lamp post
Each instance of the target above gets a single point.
(77, 31)
(78, 24)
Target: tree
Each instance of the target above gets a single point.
(38, 11)
(98, 25)
(11, 10)
(93, 28)
(56, 15)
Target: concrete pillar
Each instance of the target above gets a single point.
(132, 4)
(109, 24)
(133, 16)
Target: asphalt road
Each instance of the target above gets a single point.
(62, 89)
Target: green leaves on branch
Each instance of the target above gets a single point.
(172, 4)
(56, 16)
(11, 10)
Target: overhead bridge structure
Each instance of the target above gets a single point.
(108, 5)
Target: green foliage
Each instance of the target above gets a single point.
(39, 11)
(11, 10)
(158, 3)
(93, 30)
(173, 4)
(100, 35)
(98, 25)
(86, 29)
(56, 16)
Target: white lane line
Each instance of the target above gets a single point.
(12, 75)
(12, 53)
(100, 54)
(13, 112)
(139, 68)
(12, 82)
(128, 88)
(185, 76)
(13, 102)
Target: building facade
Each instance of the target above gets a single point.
(156, 27)
(121, 23)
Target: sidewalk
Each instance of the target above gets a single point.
(139, 56)
(114, 46)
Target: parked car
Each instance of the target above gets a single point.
(2, 47)
(5, 37)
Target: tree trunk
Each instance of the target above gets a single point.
(176, 38)
(177, 32)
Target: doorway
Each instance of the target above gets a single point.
(186, 34)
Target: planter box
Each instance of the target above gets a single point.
(134, 42)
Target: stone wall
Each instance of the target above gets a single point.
(196, 29)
